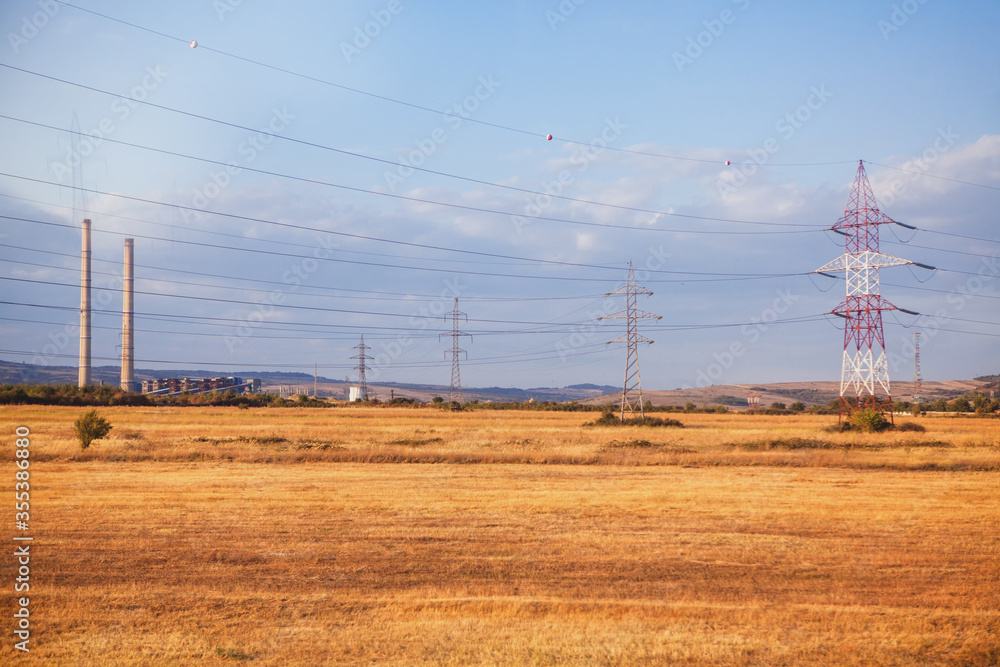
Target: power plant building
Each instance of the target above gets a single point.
(201, 385)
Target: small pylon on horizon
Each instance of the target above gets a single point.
(632, 401)
(362, 357)
(455, 392)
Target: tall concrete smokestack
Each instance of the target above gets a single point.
(83, 378)
(128, 383)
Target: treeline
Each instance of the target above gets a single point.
(108, 395)
(972, 401)
(68, 394)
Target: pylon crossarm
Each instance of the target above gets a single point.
(630, 288)
(854, 220)
(869, 258)
(862, 260)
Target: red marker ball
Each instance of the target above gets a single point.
(727, 163)
(549, 137)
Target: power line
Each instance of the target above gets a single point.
(953, 252)
(940, 178)
(939, 291)
(190, 297)
(406, 298)
(419, 107)
(728, 277)
(560, 330)
(322, 336)
(960, 236)
(243, 237)
(394, 164)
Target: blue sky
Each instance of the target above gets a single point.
(646, 102)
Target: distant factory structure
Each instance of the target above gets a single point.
(201, 385)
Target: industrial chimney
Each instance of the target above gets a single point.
(83, 379)
(128, 383)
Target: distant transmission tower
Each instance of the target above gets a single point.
(918, 392)
(865, 370)
(632, 387)
(455, 393)
(361, 356)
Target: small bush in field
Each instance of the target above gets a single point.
(611, 419)
(869, 421)
(91, 426)
(911, 426)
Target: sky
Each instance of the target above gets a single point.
(296, 175)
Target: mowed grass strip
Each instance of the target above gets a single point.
(327, 563)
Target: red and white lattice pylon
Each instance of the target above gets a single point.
(865, 371)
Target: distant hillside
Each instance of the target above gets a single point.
(272, 381)
(732, 396)
(810, 393)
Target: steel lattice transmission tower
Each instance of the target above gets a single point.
(362, 356)
(918, 391)
(865, 371)
(632, 387)
(456, 375)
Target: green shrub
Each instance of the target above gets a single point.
(90, 427)
(869, 421)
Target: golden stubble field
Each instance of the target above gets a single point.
(415, 536)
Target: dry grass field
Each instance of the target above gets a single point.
(416, 536)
